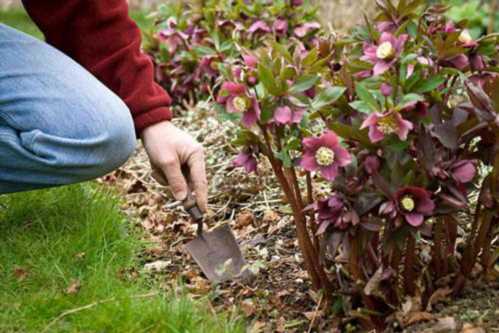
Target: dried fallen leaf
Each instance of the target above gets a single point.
(157, 266)
(20, 273)
(244, 219)
(468, 328)
(312, 315)
(438, 296)
(417, 317)
(248, 307)
(257, 327)
(270, 216)
(443, 325)
(74, 287)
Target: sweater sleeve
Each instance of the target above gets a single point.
(100, 36)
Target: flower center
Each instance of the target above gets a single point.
(324, 156)
(241, 103)
(408, 203)
(385, 51)
(465, 37)
(214, 65)
(387, 124)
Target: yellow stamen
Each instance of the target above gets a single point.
(241, 103)
(324, 156)
(387, 124)
(385, 51)
(465, 36)
(408, 203)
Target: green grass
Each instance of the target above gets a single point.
(77, 233)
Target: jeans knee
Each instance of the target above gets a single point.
(121, 140)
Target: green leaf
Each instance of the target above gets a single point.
(283, 155)
(361, 106)
(304, 83)
(327, 96)
(267, 78)
(409, 98)
(365, 95)
(428, 85)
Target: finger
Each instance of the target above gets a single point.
(197, 172)
(176, 179)
(158, 176)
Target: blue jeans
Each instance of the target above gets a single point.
(58, 123)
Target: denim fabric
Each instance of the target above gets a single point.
(58, 123)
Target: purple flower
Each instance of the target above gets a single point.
(387, 26)
(259, 27)
(284, 115)
(332, 211)
(247, 161)
(476, 62)
(460, 62)
(384, 55)
(325, 154)
(280, 27)
(172, 38)
(236, 99)
(386, 89)
(207, 66)
(463, 171)
(296, 3)
(413, 203)
(306, 28)
(381, 125)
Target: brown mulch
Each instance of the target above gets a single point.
(279, 299)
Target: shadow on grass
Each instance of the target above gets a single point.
(50, 239)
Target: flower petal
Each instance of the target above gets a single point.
(380, 67)
(329, 139)
(330, 172)
(414, 219)
(308, 162)
(342, 156)
(283, 115)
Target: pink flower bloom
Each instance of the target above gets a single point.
(250, 60)
(207, 66)
(412, 203)
(236, 99)
(386, 89)
(463, 171)
(259, 27)
(325, 154)
(384, 55)
(247, 161)
(280, 27)
(306, 28)
(284, 115)
(381, 125)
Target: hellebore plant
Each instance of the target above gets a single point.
(194, 40)
(379, 142)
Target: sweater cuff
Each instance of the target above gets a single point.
(151, 117)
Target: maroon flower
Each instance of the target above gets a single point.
(385, 54)
(388, 123)
(236, 99)
(296, 3)
(284, 115)
(463, 171)
(332, 211)
(325, 154)
(460, 62)
(172, 38)
(371, 164)
(247, 161)
(413, 203)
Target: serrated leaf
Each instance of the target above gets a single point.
(267, 78)
(361, 106)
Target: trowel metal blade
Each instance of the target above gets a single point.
(219, 255)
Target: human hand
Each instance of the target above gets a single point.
(172, 150)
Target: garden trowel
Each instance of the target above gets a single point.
(216, 252)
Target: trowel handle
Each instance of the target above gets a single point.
(196, 214)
